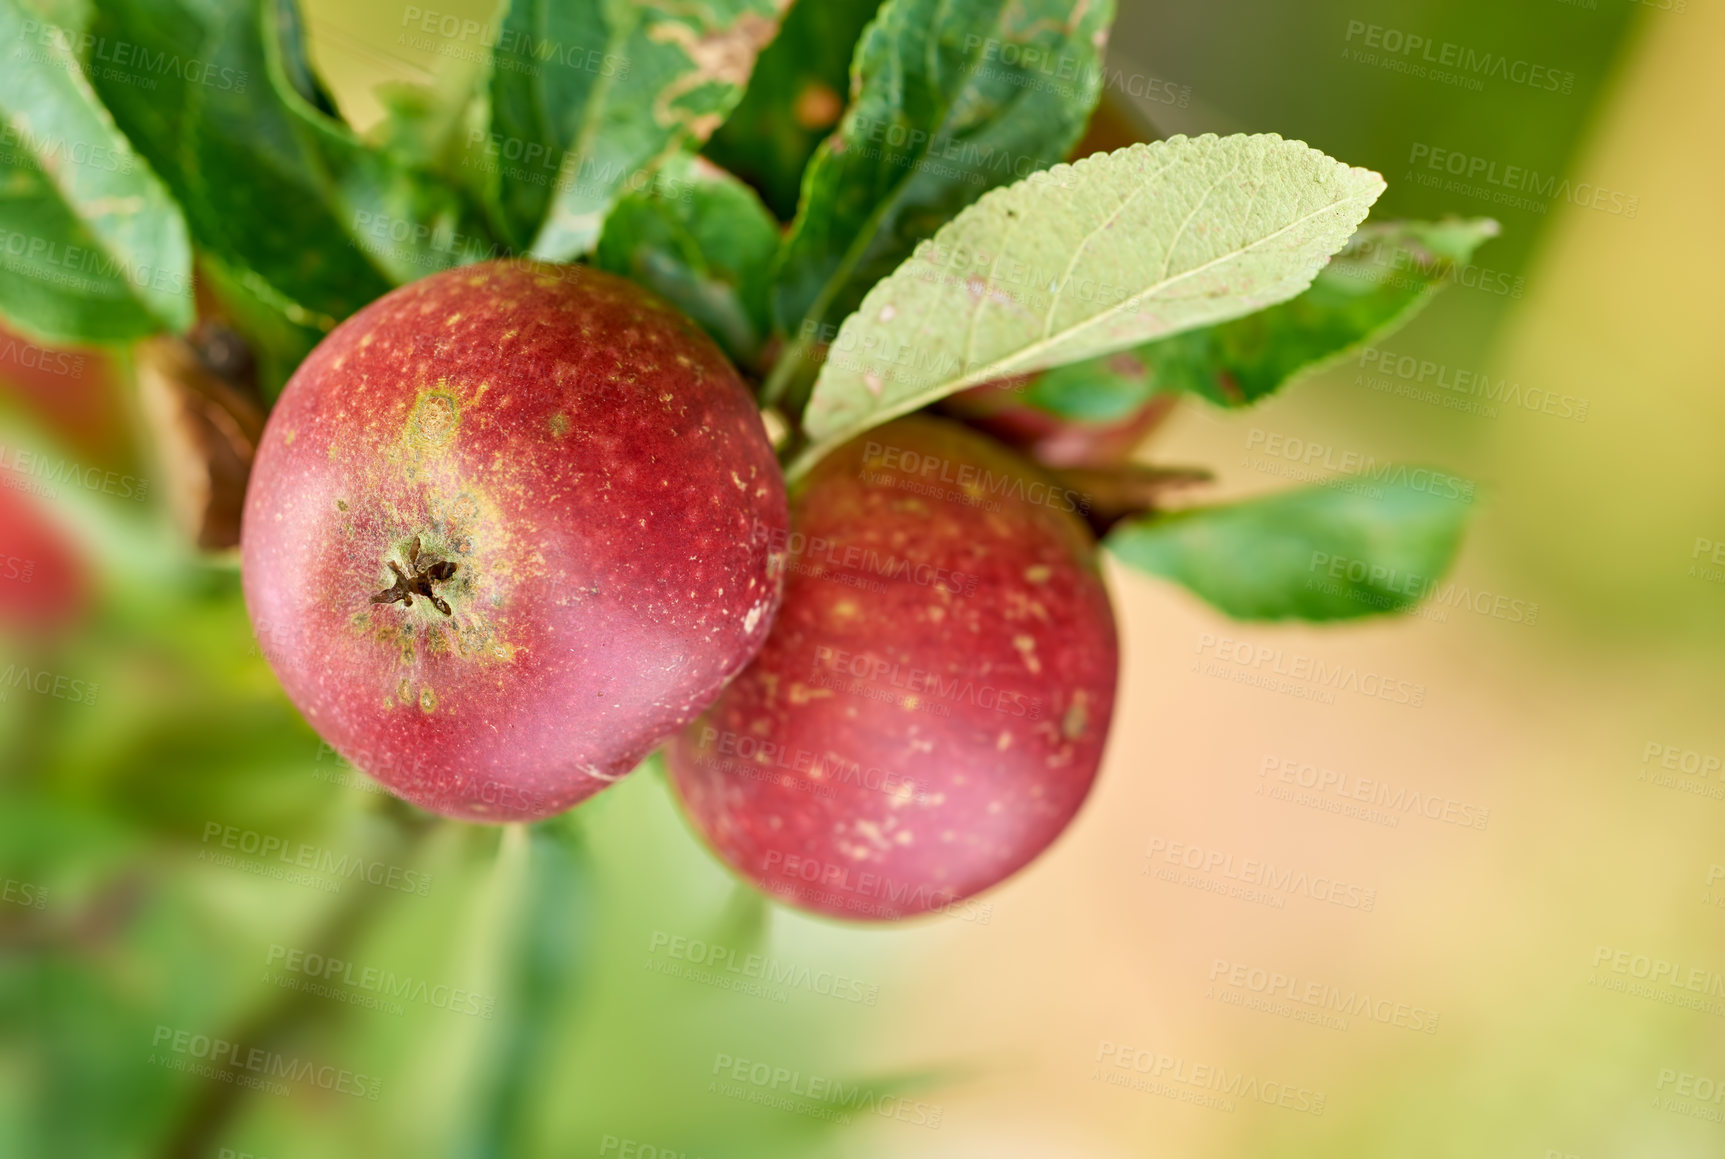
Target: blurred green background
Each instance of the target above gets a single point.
(181, 856)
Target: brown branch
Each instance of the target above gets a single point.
(1120, 492)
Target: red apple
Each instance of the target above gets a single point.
(1000, 409)
(76, 392)
(930, 709)
(44, 581)
(500, 536)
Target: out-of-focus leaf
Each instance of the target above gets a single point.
(588, 96)
(297, 71)
(795, 97)
(1316, 553)
(545, 964)
(427, 127)
(745, 924)
(950, 100)
(71, 15)
(1084, 260)
(701, 238)
(92, 247)
(279, 331)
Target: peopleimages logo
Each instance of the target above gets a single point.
(856, 889)
(827, 1094)
(1672, 766)
(315, 858)
(516, 50)
(1517, 179)
(972, 479)
(1309, 452)
(1388, 582)
(25, 894)
(223, 1058)
(1263, 658)
(1415, 268)
(45, 683)
(756, 757)
(1117, 1064)
(1322, 996)
(770, 972)
(18, 142)
(1660, 971)
(815, 555)
(381, 983)
(28, 356)
(1473, 384)
(1251, 871)
(1397, 800)
(1714, 552)
(428, 244)
(1470, 64)
(619, 1147)
(1681, 760)
(535, 163)
(924, 682)
(121, 60)
(1693, 1086)
(36, 465)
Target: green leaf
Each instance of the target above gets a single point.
(794, 99)
(296, 67)
(1316, 553)
(703, 240)
(423, 125)
(191, 91)
(588, 96)
(1383, 278)
(1084, 260)
(1097, 390)
(72, 16)
(952, 98)
(95, 250)
(548, 960)
(409, 221)
(270, 182)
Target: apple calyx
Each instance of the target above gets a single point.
(425, 574)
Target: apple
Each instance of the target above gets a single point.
(45, 583)
(77, 392)
(931, 707)
(501, 537)
(1002, 410)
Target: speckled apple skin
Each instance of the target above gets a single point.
(599, 476)
(909, 737)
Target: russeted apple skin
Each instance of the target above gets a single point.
(931, 708)
(599, 477)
